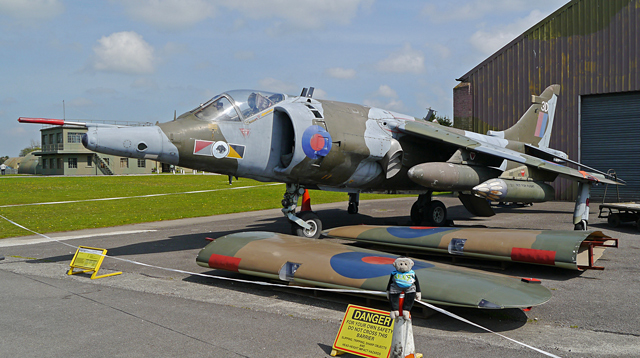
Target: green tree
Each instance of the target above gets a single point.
(444, 121)
(3, 159)
(35, 145)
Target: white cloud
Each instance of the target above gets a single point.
(305, 14)
(442, 51)
(340, 73)
(274, 85)
(386, 91)
(123, 52)
(31, 9)
(169, 14)
(456, 11)
(392, 105)
(405, 60)
(491, 40)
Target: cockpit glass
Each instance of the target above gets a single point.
(219, 109)
(253, 102)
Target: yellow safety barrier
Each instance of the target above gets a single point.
(89, 259)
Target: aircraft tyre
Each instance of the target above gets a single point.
(313, 220)
(437, 213)
(614, 220)
(353, 208)
(581, 226)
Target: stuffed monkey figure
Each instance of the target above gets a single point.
(403, 279)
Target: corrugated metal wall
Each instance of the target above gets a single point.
(587, 46)
(610, 138)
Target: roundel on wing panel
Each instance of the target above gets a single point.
(362, 265)
(316, 142)
(409, 232)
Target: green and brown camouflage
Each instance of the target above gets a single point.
(320, 263)
(309, 143)
(574, 250)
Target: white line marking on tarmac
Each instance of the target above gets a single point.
(138, 196)
(18, 241)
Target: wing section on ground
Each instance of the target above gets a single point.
(574, 250)
(321, 263)
(440, 134)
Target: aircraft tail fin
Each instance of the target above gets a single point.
(536, 124)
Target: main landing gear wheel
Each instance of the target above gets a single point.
(437, 214)
(311, 219)
(433, 213)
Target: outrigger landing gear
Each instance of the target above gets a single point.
(428, 212)
(307, 223)
(581, 212)
(354, 200)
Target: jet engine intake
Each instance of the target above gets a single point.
(509, 190)
(449, 176)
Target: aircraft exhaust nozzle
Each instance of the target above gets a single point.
(449, 176)
(509, 190)
(146, 142)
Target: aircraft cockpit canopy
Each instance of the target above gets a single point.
(225, 107)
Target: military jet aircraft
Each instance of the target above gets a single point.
(319, 144)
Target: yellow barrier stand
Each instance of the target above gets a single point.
(89, 259)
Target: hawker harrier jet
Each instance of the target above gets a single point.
(309, 143)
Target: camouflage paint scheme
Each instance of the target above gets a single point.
(320, 144)
(332, 265)
(564, 249)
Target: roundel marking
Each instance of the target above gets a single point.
(404, 232)
(363, 265)
(316, 142)
(220, 149)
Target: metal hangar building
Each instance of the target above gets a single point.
(592, 49)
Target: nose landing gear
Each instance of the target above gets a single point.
(307, 223)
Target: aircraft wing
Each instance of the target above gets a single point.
(442, 135)
(574, 250)
(320, 263)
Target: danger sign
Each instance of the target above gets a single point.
(366, 332)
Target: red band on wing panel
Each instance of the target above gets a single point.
(544, 257)
(223, 262)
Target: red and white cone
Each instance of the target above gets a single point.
(402, 345)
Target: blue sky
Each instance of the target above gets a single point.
(139, 60)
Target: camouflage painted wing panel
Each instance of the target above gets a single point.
(434, 133)
(326, 264)
(564, 249)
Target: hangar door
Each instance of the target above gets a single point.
(610, 139)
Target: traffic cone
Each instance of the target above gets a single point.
(306, 201)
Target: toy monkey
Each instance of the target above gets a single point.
(403, 279)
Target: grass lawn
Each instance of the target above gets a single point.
(16, 190)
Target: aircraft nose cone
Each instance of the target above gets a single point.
(85, 140)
